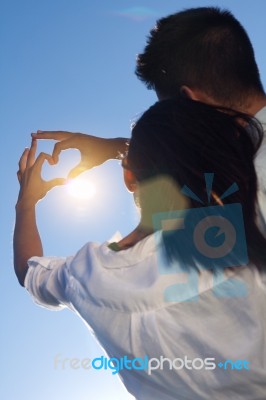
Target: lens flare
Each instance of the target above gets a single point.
(81, 188)
(137, 13)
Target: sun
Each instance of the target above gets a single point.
(81, 188)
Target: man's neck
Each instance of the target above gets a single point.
(252, 106)
(255, 106)
(253, 103)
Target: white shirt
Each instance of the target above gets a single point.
(120, 295)
(260, 165)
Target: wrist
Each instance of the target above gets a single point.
(24, 204)
(118, 148)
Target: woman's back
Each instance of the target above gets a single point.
(210, 345)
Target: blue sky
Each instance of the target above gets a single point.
(69, 65)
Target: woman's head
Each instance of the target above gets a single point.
(179, 140)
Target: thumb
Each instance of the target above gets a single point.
(76, 171)
(56, 182)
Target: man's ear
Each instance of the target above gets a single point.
(130, 180)
(197, 95)
(190, 93)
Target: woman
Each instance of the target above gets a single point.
(180, 313)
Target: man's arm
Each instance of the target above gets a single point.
(27, 241)
(94, 150)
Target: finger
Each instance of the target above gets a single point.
(56, 182)
(54, 135)
(40, 160)
(60, 146)
(76, 171)
(23, 160)
(32, 153)
(19, 175)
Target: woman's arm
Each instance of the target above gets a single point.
(94, 150)
(27, 241)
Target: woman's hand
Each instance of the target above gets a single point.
(32, 187)
(94, 150)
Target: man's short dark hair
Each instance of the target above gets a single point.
(204, 48)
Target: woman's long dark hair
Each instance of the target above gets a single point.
(185, 139)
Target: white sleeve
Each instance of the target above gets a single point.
(260, 165)
(47, 281)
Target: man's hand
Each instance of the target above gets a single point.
(94, 150)
(32, 186)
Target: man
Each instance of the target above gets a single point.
(204, 53)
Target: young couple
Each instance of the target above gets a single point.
(198, 146)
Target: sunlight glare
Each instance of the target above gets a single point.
(81, 188)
